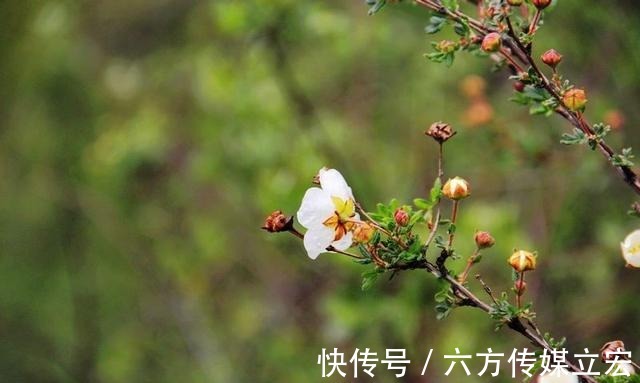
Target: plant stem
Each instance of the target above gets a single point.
(520, 291)
(454, 215)
(472, 259)
(534, 23)
(524, 55)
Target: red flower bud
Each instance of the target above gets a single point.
(484, 240)
(519, 86)
(541, 4)
(492, 42)
(277, 222)
(551, 58)
(401, 217)
(520, 286)
(440, 131)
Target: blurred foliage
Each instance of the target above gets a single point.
(143, 142)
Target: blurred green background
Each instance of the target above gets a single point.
(143, 143)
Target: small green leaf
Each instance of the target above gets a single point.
(623, 159)
(436, 23)
(376, 6)
(576, 138)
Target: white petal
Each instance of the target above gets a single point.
(334, 183)
(631, 249)
(317, 239)
(558, 377)
(343, 243)
(316, 207)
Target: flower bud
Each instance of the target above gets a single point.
(515, 2)
(401, 217)
(363, 232)
(492, 42)
(551, 58)
(519, 86)
(520, 286)
(611, 347)
(541, 4)
(440, 131)
(456, 189)
(277, 222)
(522, 261)
(446, 46)
(575, 99)
(484, 240)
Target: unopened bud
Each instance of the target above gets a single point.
(363, 233)
(615, 346)
(551, 58)
(575, 99)
(277, 222)
(440, 131)
(541, 4)
(515, 2)
(519, 86)
(401, 217)
(522, 261)
(484, 240)
(520, 286)
(446, 46)
(492, 42)
(456, 189)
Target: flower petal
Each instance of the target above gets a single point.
(557, 377)
(343, 243)
(316, 207)
(317, 239)
(334, 183)
(631, 249)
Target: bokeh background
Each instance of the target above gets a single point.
(143, 142)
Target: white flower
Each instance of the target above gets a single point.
(631, 249)
(562, 376)
(328, 214)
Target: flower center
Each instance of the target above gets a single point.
(340, 220)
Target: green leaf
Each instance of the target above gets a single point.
(369, 277)
(436, 191)
(623, 159)
(451, 4)
(376, 6)
(436, 23)
(461, 28)
(576, 138)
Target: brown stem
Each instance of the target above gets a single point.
(511, 61)
(524, 55)
(454, 215)
(520, 291)
(534, 23)
(472, 259)
(472, 300)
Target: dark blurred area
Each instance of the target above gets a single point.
(142, 143)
